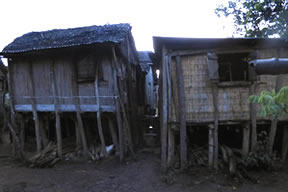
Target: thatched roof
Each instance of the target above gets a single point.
(61, 38)
(145, 60)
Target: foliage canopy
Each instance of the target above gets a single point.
(257, 18)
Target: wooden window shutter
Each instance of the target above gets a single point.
(213, 67)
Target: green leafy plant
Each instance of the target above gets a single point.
(272, 104)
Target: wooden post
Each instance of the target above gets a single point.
(285, 143)
(274, 122)
(164, 112)
(78, 114)
(78, 135)
(22, 132)
(182, 111)
(245, 140)
(253, 119)
(43, 133)
(99, 123)
(211, 145)
(56, 104)
(34, 109)
(216, 120)
(113, 133)
(171, 146)
(117, 104)
(120, 104)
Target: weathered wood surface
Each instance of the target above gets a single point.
(216, 124)
(34, 110)
(56, 104)
(163, 111)
(182, 113)
(245, 140)
(78, 115)
(99, 121)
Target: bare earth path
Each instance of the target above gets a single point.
(142, 175)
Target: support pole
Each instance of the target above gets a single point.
(99, 122)
(57, 115)
(245, 140)
(253, 119)
(113, 133)
(182, 112)
(171, 146)
(164, 112)
(78, 114)
(216, 124)
(285, 143)
(34, 109)
(211, 145)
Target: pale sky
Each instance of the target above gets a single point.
(179, 18)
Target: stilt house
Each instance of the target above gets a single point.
(85, 75)
(204, 88)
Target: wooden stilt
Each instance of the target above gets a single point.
(34, 109)
(182, 113)
(171, 146)
(113, 133)
(253, 118)
(285, 143)
(216, 119)
(22, 132)
(211, 146)
(58, 119)
(99, 122)
(43, 133)
(78, 114)
(245, 140)
(163, 110)
(78, 136)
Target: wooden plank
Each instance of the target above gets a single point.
(78, 115)
(182, 113)
(164, 112)
(245, 140)
(34, 110)
(216, 123)
(98, 113)
(56, 104)
(65, 108)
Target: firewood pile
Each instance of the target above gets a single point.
(49, 157)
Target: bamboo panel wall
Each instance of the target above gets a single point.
(233, 101)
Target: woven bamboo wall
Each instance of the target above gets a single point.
(233, 101)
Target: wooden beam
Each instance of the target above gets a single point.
(171, 146)
(56, 104)
(34, 110)
(164, 112)
(182, 113)
(216, 123)
(78, 114)
(98, 113)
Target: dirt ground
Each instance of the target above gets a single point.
(142, 174)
